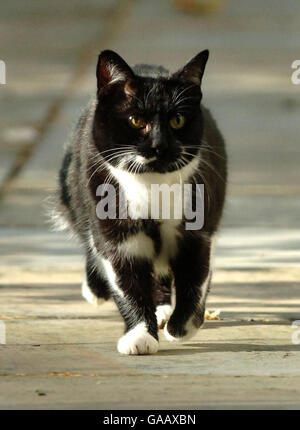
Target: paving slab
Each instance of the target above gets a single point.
(61, 346)
(60, 352)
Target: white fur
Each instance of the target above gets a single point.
(168, 336)
(105, 268)
(138, 341)
(59, 222)
(137, 189)
(116, 75)
(143, 160)
(139, 245)
(111, 277)
(190, 328)
(169, 234)
(134, 184)
(89, 295)
(205, 285)
(204, 289)
(163, 313)
(91, 243)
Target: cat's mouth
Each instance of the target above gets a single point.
(144, 160)
(138, 163)
(159, 164)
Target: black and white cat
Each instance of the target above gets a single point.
(146, 126)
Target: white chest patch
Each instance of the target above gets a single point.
(138, 190)
(137, 187)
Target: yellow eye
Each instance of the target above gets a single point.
(177, 121)
(137, 121)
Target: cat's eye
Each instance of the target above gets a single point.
(177, 121)
(137, 121)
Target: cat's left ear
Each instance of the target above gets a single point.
(193, 71)
(112, 69)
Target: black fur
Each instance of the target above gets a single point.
(101, 140)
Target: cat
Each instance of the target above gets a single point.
(145, 126)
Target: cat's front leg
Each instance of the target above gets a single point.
(131, 285)
(192, 274)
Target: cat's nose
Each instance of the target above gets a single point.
(159, 144)
(158, 141)
(159, 148)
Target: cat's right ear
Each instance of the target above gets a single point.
(112, 69)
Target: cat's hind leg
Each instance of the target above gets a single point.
(95, 287)
(162, 299)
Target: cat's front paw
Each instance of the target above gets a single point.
(163, 313)
(178, 333)
(138, 341)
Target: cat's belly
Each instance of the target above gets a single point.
(141, 245)
(169, 246)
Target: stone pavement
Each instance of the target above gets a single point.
(60, 352)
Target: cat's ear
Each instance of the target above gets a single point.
(111, 69)
(194, 69)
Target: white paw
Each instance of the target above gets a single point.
(190, 329)
(89, 296)
(138, 342)
(163, 313)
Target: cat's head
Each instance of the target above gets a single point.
(147, 120)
